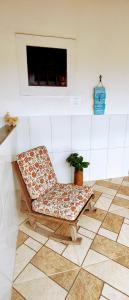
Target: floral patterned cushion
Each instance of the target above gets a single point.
(37, 171)
(63, 201)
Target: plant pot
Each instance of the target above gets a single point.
(78, 177)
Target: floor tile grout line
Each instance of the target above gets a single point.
(115, 184)
(42, 245)
(56, 254)
(19, 293)
(96, 233)
(114, 289)
(120, 230)
(33, 239)
(50, 275)
(47, 275)
(112, 258)
(108, 258)
(108, 284)
(28, 262)
(90, 274)
(31, 247)
(73, 283)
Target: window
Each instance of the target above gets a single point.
(46, 66)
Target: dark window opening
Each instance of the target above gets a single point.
(46, 66)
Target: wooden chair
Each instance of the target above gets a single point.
(44, 198)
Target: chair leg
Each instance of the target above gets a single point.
(32, 222)
(90, 206)
(73, 232)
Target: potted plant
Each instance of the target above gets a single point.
(77, 162)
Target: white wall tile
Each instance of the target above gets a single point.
(61, 167)
(81, 132)
(99, 132)
(117, 131)
(9, 146)
(7, 252)
(23, 134)
(5, 287)
(98, 164)
(61, 133)
(115, 163)
(125, 170)
(127, 133)
(40, 131)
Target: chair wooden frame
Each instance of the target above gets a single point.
(33, 216)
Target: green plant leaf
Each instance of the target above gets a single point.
(77, 162)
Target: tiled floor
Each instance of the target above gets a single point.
(96, 269)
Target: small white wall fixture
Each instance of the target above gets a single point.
(24, 40)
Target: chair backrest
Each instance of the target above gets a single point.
(37, 171)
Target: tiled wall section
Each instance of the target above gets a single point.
(102, 140)
(8, 215)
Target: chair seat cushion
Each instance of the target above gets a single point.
(63, 201)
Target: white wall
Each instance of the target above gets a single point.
(101, 28)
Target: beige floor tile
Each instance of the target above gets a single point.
(122, 196)
(124, 235)
(111, 249)
(35, 285)
(106, 190)
(126, 221)
(126, 178)
(86, 287)
(86, 233)
(117, 180)
(89, 223)
(124, 190)
(89, 183)
(51, 263)
(112, 273)
(16, 296)
(21, 217)
(66, 279)
(56, 246)
(33, 244)
(108, 184)
(36, 236)
(107, 196)
(121, 202)
(93, 257)
(23, 255)
(119, 210)
(112, 222)
(77, 253)
(103, 203)
(112, 294)
(107, 233)
(21, 238)
(99, 214)
(125, 183)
